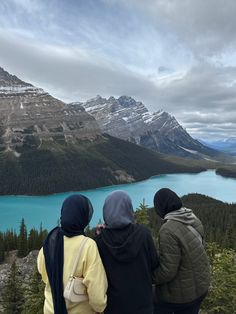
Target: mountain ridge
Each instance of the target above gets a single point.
(30, 115)
(128, 119)
(47, 146)
(227, 145)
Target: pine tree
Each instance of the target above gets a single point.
(10, 240)
(34, 295)
(22, 240)
(42, 236)
(141, 214)
(2, 248)
(33, 240)
(13, 296)
(222, 293)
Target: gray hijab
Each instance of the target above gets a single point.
(118, 210)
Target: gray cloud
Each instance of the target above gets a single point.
(212, 132)
(205, 95)
(72, 75)
(207, 88)
(206, 28)
(168, 61)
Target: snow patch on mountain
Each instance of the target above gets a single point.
(128, 119)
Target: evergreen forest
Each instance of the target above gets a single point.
(58, 168)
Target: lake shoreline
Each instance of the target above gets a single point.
(107, 186)
(46, 209)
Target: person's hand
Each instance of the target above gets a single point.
(99, 228)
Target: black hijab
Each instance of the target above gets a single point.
(76, 213)
(166, 201)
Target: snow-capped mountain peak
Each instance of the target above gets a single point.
(128, 119)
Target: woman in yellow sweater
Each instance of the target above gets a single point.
(57, 257)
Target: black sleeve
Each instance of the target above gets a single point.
(152, 252)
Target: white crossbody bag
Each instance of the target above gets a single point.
(75, 291)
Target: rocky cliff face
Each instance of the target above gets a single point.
(130, 120)
(25, 267)
(28, 115)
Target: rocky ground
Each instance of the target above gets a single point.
(25, 265)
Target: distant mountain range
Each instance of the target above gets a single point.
(47, 146)
(227, 145)
(130, 120)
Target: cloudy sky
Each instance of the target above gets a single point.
(175, 55)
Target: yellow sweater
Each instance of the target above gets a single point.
(90, 267)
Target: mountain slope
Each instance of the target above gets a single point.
(130, 120)
(28, 115)
(47, 146)
(89, 164)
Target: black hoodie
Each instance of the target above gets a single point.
(129, 257)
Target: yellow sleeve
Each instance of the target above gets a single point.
(41, 266)
(95, 278)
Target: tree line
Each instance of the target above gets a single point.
(57, 168)
(24, 242)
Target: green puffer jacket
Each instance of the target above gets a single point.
(184, 273)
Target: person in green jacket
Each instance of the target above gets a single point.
(183, 277)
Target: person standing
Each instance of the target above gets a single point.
(183, 276)
(58, 255)
(129, 257)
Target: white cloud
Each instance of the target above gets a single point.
(176, 55)
(206, 28)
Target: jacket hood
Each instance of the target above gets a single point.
(124, 244)
(118, 210)
(166, 201)
(184, 215)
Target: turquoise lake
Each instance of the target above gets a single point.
(46, 209)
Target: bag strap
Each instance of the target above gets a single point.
(195, 232)
(78, 256)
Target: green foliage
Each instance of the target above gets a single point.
(2, 248)
(27, 300)
(218, 218)
(222, 294)
(141, 214)
(34, 295)
(22, 240)
(228, 172)
(36, 238)
(87, 164)
(12, 298)
(10, 240)
(90, 232)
